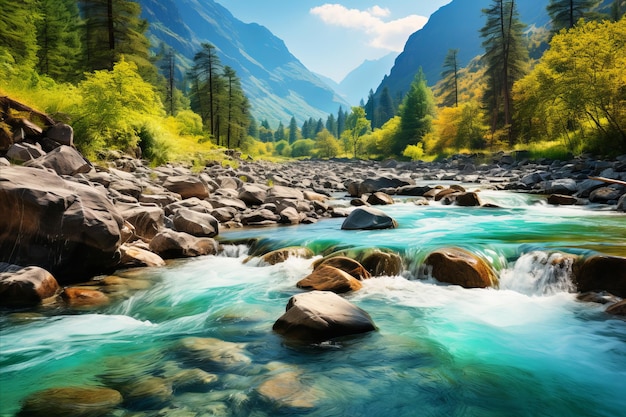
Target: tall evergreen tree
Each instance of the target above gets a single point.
(417, 112)
(205, 76)
(505, 58)
(168, 69)
(386, 108)
(112, 29)
(319, 126)
(370, 109)
(450, 79)
(341, 121)
(293, 130)
(58, 38)
(253, 128)
(235, 107)
(618, 9)
(331, 124)
(565, 13)
(18, 30)
(279, 134)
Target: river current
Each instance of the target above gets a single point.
(528, 348)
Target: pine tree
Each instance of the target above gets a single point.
(18, 30)
(293, 130)
(206, 81)
(318, 127)
(417, 112)
(450, 79)
(505, 59)
(236, 107)
(370, 109)
(58, 38)
(565, 13)
(279, 134)
(331, 124)
(386, 108)
(341, 121)
(112, 29)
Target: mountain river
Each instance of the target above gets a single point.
(527, 348)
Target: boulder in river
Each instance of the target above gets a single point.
(348, 265)
(601, 273)
(368, 218)
(329, 278)
(26, 287)
(281, 255)
(71, 401)
(617, 309)
(380, 263)
(70, 229)
(322, 315)
(460, 267)
(171, 244)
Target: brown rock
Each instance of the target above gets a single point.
(618, 309)
(460, 267)
(136, 256)
(63, 160)
(383, 263)
(26, 287)
(147, 220)
(171, 244)
(84, 297)
(601, 273)
(187, 186)
(348, 265)
(562, 200)
(195, 223)
(287, 389)
(281, 255)
(70, 229)
(329, 278)
(71, 401)
(322, 315)
(379, 199)
(468, 199)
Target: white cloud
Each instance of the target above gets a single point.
(390, 35)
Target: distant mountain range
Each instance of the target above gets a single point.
(357, 84)
(276, 83)
(454, 26)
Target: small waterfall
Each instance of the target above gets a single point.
(234, 251)
(540, 273)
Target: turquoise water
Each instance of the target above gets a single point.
(528, 348)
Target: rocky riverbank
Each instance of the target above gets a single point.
(69, 220)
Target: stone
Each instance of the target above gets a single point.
(621, 204)
(62, 134)
(413, 190)
(372, 185)
(606, 194)
(170, 244)
(133, 256)
(601, 273)
(22, 152)
(147, 220)
(459, 267)
(329, 278)
(187, 186)
(368, 218)
(380, 263)
(617, 309)
(282, 192)
(147, 392)
(252, 194)
(379, 199)
(63, 160)
(82, 297)
(26, 287)
(468, 199)
(287, 389)
(281, 255)
(212, 352)
(195, 223)
(562, 200)
(126, 187)
(260, 217)
(71, 401)
(289, 215)
(566, 186)
(70, 229)
(321, 315)
(348, 265)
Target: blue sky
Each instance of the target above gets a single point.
(333, 38)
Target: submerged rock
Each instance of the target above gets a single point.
(459, 267)
(82, 297)
(617, 309)
(26, 287)
(288, 389)
(329, 278)
(368, 218)
(281, 255)
(71, 401)
(322, 315)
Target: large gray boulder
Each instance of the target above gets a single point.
(187, 186)
(368, 218)
(63, 160)
(195, 223)
(322, 315)
(70, 229)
